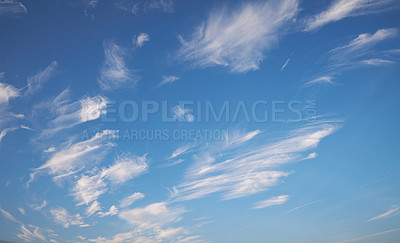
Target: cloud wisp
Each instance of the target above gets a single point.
(12, 8)
(238, 39)
(278, 200)
(168, 80)
(237, 170)
(138, 41)
(36, 81)
(72, 157)
(115, 72)
(385, 214)
(67, 114)
(340, 9)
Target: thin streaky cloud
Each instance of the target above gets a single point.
(7, 92)
(63, 217)
(246, 170)
(8, 216)
(36, 81)
(305, 205)
(29, 235)
(369, 236)
(321, 80)
(340, 9)
(168, 80)
(115, 72)
(364, 42)
(66, 114)
(240, 38)
(129, 200)
(383, 215)
(285, 64)
(139, 40)
(277, 200)
(377, 62)
(75, 155)
(12, 8)
(182, 114)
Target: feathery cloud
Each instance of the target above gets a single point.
(67, 114)
(7, 92)
(285, 64)
(36, 81)
(238, 39)
(11, 8)
(168, 80)
(340, 9)
(63, 217)
(115, 73)
(278, 200)
(73, 156)
(369, 236)
(88, 188)
(182, 114)
(383, 215)
(136, 7)
(28, 235)
(362, 43)
(246, 170)
(139, 40)
(8, 216)
(127, 201)
(152, 216)
(377, 62)
(321, 80)
(111, 212)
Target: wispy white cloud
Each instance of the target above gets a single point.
(63, 217)
(94, 207)
(140, 6)
(362, 43)
(377, 62)
(88, 188)
(38, 207)
(125, 168)
(7, 92)
(247, 170)
(12, 8)
(139, 40)
(152, 216)
(182, 114)
(340, 9)
(385, 214)
(168, 80)
(66, 114)
(238, 39)
(127, 201)
(29, 235)
(4, 132)
(352, 55)
(115, 72)
(278, 200)
(36, 81)
(111, 212)
(21, 210)
(8, 216)
(285, 64)
(321, 80)
(362, 238)
(181, 150)
(72, 156)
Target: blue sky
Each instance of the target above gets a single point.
(199, 121)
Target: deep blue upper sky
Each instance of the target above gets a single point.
(199, 121)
